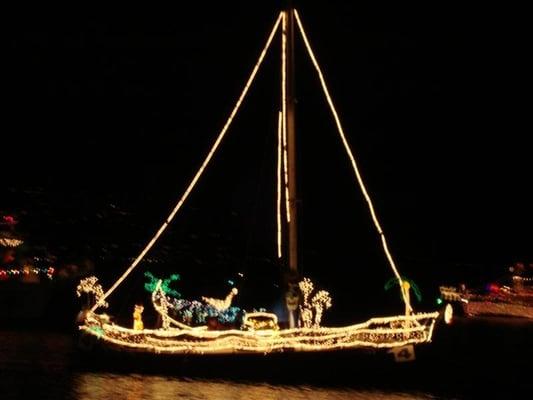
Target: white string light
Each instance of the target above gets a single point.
(202, 168)
(90, 285)
(388, 332)
(7, 242)
(352, 158)
(284, 110)
(312, 308)
(278, 200)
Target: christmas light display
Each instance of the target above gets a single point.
(7, 242)
(91, 286)
(224, 304)
(311, 309)
(388, 332)
(154, 282)
(284, 110)
(257, 321)
(200, 170)
(352, 158)
(278, 191)
(26, 270)
(405, 285)
(259, 332)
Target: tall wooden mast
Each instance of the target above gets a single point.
(289, 125)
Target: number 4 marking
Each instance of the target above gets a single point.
(404, 353)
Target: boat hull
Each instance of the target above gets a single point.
(374, 334)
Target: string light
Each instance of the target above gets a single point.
(138, 324)
(260, 332)
(260, 321)
(221, 305)
(384, 333)
(161, 305)
(311, 309)
(7, 242)
(202, 167)
(449, 293)
(517, 278)
(26, 271)
(284, 110)
(352, 159)
(262, 335)
(90, 285)
(278, 202)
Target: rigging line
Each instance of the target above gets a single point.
(200, 171)
(352, 159)
(284, 109)
(278, 203)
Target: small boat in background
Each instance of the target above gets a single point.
(509, 299)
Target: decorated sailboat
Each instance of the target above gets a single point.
(191, 327)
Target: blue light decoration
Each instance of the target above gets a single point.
(194, 313)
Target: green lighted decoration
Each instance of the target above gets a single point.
(98, 330)
(394, 281)
(150, 286)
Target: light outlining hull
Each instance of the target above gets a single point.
(376, 333)
(175, 338)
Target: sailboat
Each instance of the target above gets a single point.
(260, 332)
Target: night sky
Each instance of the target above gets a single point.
(107, 114)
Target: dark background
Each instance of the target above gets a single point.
(107, 114)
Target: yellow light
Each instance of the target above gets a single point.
(90, 285)
(178, 338)
(260, 321)
(284, 110)
(278, 202)
(202, 167)
(448, 314)
(378, 333)
(138, 324)
(6, 242)
(352, 159)
(221, 305)
(311, 309)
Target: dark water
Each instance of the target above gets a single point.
(43, 365)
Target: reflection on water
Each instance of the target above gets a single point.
(40, 365)
(91, 386)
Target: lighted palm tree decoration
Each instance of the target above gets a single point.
(405, 286)
(94, 291)
(151, 285)
(312, 308)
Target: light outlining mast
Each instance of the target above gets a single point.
(180, 339)
(289, 135)
(289, 21)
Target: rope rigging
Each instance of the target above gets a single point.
(352, 158)
(202, 167)
(282, 189)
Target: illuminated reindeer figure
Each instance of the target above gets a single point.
(318, 303)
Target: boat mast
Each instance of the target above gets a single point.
(288, 120)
